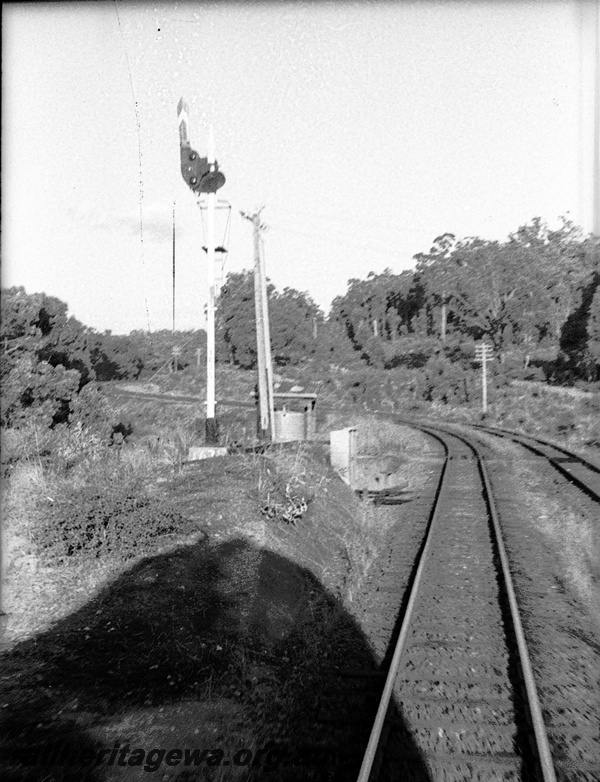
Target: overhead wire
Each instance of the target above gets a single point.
(139, 141)
(348, 220)
(334, 240)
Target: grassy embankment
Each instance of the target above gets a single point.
(173, 606)
(78, 513)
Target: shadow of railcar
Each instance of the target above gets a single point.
(227, 650)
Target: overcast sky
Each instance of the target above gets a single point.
(366, 129)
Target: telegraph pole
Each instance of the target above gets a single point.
(267, 333)
(263, 342)
(202, 175)
(483, 353)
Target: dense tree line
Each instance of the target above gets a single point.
(48, 358)
(300, 332)
(534, 297)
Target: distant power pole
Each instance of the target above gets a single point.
(202, 175)
(263, 338)
(483, 353)
(176, 353)
(444, 318)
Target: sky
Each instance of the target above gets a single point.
(363, 130)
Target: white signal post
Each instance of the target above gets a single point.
(202, 176)
(211, 426)
(483, 353)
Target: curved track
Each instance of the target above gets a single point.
(460, 672)
(579, 471)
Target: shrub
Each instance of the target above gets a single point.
(36, 389)
(28, 443)
(92, 522)
(58, 449)
(447, 382)
(286, 481)
(91, 410)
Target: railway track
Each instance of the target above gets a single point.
(583, 473)
(460, 700)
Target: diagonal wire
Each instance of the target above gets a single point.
(139, 140)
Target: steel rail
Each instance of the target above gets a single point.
(564, 471)
(518, 438)
(533, 701)
(384, 703)
(181, 398)
(499, 432)
(544, 758)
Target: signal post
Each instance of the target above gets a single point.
(202, 175)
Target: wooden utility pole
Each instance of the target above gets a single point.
(267, 333)
(260, 335)
(263, 341)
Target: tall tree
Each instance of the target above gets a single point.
(293, 316)
(294, 319)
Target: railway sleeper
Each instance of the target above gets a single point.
(466, 739)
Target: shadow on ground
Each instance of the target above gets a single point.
(206, 663)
